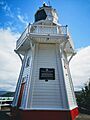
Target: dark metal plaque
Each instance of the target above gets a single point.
(47, 74)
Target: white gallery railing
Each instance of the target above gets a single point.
(42, 30)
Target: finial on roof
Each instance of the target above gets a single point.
(44, 4)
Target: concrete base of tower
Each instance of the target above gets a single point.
(18, 114)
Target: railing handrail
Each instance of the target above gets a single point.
(49, 25)
(63, 30)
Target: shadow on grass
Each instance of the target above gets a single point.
(83, 117)
(84, 110)
(4, 116)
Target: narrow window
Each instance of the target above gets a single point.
(28, 61)
(23, 79)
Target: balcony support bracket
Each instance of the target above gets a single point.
(19, 55)
(31, 42)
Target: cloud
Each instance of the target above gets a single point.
(15, 16)
(1, 3)
(6, 8)
(8, 60)
(80, 67)
(22, 19)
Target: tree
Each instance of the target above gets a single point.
(83, 99)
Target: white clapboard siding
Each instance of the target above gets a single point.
(27, 69)
(69, 89)
(45, 94)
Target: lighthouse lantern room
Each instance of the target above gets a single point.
(44, 89)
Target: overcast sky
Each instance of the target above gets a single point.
(15, 16)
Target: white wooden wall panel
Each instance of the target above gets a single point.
(27, 69)
(45, 94)
(69, 90)
(26, 75)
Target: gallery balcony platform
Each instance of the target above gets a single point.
(42, 34)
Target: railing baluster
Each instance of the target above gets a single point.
(42, 29)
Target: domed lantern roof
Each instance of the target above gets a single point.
(46, 13)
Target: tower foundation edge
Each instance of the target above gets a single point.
(19, 114)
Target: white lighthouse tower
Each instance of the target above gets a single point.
(44, 90)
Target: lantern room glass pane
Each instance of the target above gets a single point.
(40, 15)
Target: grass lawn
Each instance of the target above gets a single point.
(83, 117)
